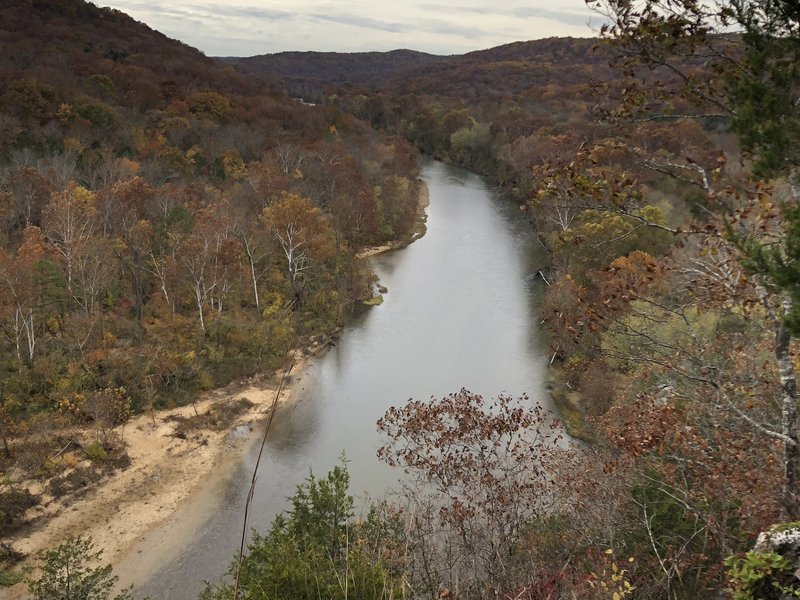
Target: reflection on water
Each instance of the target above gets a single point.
(459, 313)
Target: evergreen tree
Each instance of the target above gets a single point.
(68, 574)
(763, 89)
(317, 550)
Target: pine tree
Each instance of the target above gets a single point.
(68, 574)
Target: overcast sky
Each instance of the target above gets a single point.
(250, 27)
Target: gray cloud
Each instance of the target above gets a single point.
(420, 25)
(248, 12)
(449, 8)
(577, 19)
(574, 17)
(249, 27)
(362, 22)
(206, 11)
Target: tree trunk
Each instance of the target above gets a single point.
(199, 301)
(791, 493)
(251, 259)
(255, 283)
(30, 334)
(138, 293)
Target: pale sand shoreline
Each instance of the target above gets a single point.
(164, 475)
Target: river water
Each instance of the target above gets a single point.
(460, 312)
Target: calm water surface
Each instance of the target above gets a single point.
(460, 312)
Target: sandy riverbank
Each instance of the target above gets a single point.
(165, 471)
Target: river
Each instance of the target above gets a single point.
(460, 312)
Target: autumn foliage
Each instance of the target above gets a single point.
(170, 222)
(167, 224)
(656, 171)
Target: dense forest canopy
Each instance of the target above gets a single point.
(307, 74)
(171, 222)
(167, 226)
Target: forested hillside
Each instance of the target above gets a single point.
(170, 222)
(308, 74)
(495, 111)
(656, 168)
(166, 225)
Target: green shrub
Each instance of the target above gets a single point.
(14, 503)
(761, 576)
(318, 550)
(9, 578)
(68, 574)
(96, 452)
